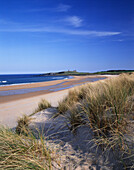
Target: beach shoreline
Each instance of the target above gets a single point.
(76, 80)
(46, 83)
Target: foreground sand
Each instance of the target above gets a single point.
(12, 107)
(74, 149)
(10, 111)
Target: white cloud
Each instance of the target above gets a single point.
(120, 40)
(7, 22)
(92, 33)
(64, 31)
(74, 21)
(63, 8)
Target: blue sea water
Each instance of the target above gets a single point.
(13, 79)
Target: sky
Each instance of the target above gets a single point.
(38, 36)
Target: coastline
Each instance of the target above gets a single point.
(37, 81)
(76, 80)
(46, 83)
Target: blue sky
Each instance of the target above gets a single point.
(39, 36)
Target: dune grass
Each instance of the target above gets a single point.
(106, 107)
(23, 125)
(74, 96)
(21, 150)
(24, 152)
(43, 104)
(24, 121)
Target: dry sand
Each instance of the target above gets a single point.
(10, 111)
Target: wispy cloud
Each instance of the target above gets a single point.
(59, 8)
(63, 8)
(7, 22)
(64, 31)
(119, 40)
(74, 21)
(2, 21)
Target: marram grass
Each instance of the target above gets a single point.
(106, 107)
(43, 104)
(104, 103)
(24, 121)
(21, 150)
(23, 125)
(24, 152)
(75, 95)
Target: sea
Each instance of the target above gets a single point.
(16, 79)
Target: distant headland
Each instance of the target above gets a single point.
(76, 73)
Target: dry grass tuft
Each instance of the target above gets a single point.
(74, 96)
(43, 104)
(74, 117)
(23, 125)
(23, 152)
(24, 121)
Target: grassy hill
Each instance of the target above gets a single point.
(114, 72)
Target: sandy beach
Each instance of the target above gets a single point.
(76, 80)
(14, 106)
